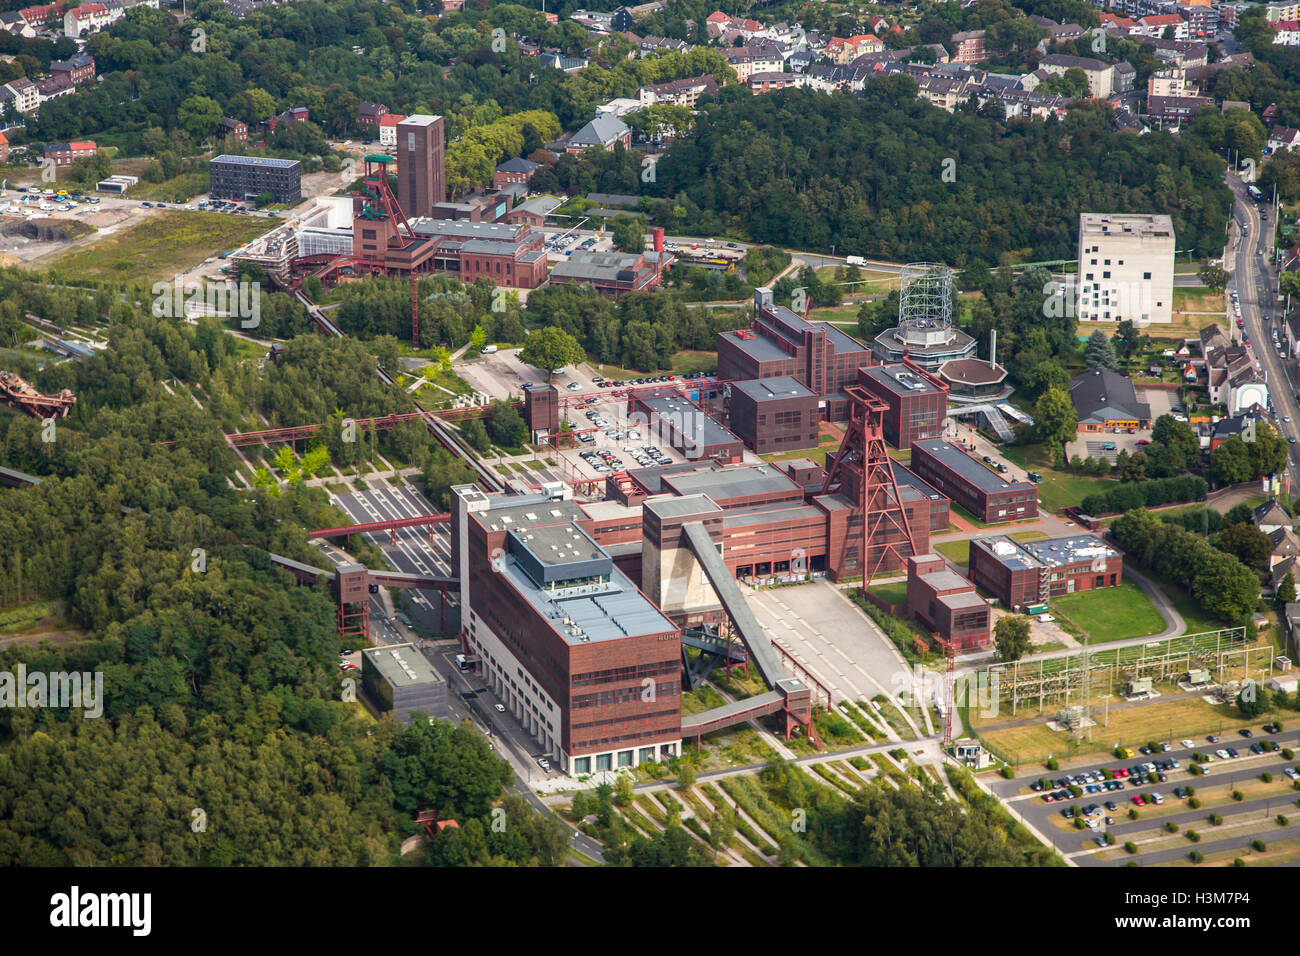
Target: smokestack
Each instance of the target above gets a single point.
(993, 346)
(657, 233)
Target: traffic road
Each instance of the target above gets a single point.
(1255, 285)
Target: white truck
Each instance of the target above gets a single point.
(855, 260)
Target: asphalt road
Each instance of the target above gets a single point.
(1255, 284)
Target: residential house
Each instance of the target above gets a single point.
(26, 97)
(685, 92)
(1101, 76)
(1283, 137)
(369, 114)
(844, 50)
(968, 47)
(65, 154)
(514, 171)
(231, 127)
(603, 131)
(388, 129)
(78, 69)
(1175, 110)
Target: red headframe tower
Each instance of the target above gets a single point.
(865, 474)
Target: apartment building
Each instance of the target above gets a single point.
(1126, 268)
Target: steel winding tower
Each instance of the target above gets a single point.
(865, 474)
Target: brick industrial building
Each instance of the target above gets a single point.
(964, 479)
(1024, 574)
(780, 343)
(244, 177)
(918, 401)
(946, 603)
(563, 637)
(684, 425)
(420, 164)
(773, 414)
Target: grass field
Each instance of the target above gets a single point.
(895, 592)
(1111, 614)
(1058, 489)
(1185, 717)
(162, 245)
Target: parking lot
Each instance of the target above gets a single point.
(1156, 785)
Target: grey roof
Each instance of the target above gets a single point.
(1099, 394)
(613, 610)
(540, 205)
(464, 229)
(777, 387)
(677, 506)
(517, 165)
(906, 478)
(691, 421)
(402, 665)
(614, 199)
(603, 129)
(759, 348)
(608, 266)
(1048, 553)
(900, 380)
(971, 469)
(734, 482)
(256, 161)
(743, 517)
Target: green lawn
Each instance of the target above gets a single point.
(894, 592)
(1111, 614)
(159, 247)
(1058, 489)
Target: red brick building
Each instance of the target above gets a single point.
(1023, 574)
(773, 414)
(946, 603)
(918, 401)
(562, 636)
(966, 480)
(65, 154)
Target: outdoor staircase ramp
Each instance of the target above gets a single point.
(733, 652)
(761, 652)
(998, 423)
(736, 712)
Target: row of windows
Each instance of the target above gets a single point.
(613, 674)
(625, 737)
(639, 721)
(606, 697)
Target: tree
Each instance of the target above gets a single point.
(1246, 543)
(199, 116)
(1011, 635)
(551, 348)
(722, 826)
(1214, 277)
(1230, 462)
(623, 792)
(1128, 341)
(1286, 589)
(685, 775)
(508, 427)
(478, 338)
(1099, 353)
(1055, 419)
(629, 234)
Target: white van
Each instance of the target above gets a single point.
(488, 349)
(855, 260)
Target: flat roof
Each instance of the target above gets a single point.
(759, 348)
(419, 119)
(766, 389)
(1047, 553)
(971, 469)
(256, 161)
(402, 665)
(600, 612)
(676, 506)
(900, 379)
(537, 510)
(905, 476)
(962, 599)
(763, 514)
(733, 482)
(699, 429)
(609, 510)
(1145, 225)
(464, 229)
(945, 580)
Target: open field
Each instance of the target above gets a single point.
(1184, 717)
(1111, 614)
(1058, 489)
(161, 246)
(894, 592)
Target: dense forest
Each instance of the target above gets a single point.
(866, 174)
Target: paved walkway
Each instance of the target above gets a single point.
(1175, 625)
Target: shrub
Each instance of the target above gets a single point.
(1193, 836)
(1196, 769)
(1076, 791)
(1052, 764)
(1006, 772)
(1078, 822)
(1266, 777)
(1277, 727)
(1258, 846)
(1216, 819)
(1130, 847)
(1132, 813)
(1287, 753)
(1196, 856)
(1281, 820)
(1238, 795)
(1153, 746)
(1194, 803)
(1191, 791)
(1238, 862)
(1171, 826)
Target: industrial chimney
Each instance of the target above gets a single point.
(993, 346)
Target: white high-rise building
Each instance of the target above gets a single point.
(1126, 268)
